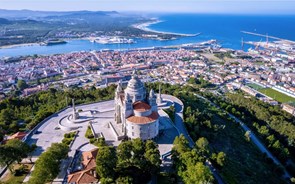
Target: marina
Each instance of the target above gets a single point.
(111, 40)
(86, 45)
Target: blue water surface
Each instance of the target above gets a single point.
(227, 28)
(224, 28)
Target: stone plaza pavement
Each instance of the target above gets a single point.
(50, 133)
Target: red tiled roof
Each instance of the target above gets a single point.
(82, 177)
(87, 174)
(88, 159)
(143, 120)
(18, 135)
(141, 106)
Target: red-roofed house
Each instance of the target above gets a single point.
(88, 173)
(18, 135)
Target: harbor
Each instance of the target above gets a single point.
(111, 40)
(77, 45)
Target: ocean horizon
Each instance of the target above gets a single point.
(226, 28)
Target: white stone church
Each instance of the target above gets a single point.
(135, 111)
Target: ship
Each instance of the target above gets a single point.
(53, 42)
(112, 40)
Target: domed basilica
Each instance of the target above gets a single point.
(136, 111)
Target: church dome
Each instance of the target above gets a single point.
(136, 89)
(134, 83)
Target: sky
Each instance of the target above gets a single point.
(195, 6)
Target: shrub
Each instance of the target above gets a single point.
(67, 141)
(88, 133)
(67, 135)
(92, 140)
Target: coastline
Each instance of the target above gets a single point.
(145, 27)
(142, 26)
(172, 46)
(28, 44)
(18, 45)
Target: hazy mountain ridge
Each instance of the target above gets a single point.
(26, 26)
(25, 14)
(4, 21)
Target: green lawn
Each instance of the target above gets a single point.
(255, 86)
(12, 179)
(280, 97)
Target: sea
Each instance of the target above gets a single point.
(226, 29)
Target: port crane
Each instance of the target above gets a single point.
(267, 37)
(258, 45)
(273, 48)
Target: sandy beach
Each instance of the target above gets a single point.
(18, 45)
(145, 27)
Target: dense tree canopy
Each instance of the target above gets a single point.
(152, 156)
(275, 127)
(197, 173)
(21, 84)
(47, 166)
(133, 161)
(201, 121)
(204, 120)
(106, 161)
(14, 151)
(33, 109)
(203, 145)
(190, 162)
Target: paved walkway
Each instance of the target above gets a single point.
(3, 172)
(48, 134)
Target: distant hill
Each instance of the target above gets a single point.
(26, 26)
(30, 14)
(4, 21)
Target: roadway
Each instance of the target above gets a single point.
(182, 129)
(253, 137)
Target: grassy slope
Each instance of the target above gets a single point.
(245, 163)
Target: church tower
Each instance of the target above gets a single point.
(152, 100)
(128, 106)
